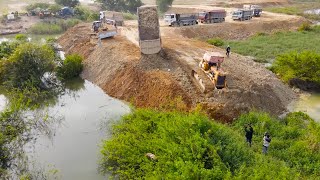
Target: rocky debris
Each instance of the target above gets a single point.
(148, 23)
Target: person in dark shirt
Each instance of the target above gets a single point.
(228, 51)
(249, 134)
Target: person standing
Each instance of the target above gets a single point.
(249, 134)
(228, 49)
(266, 142)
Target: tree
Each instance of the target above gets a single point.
(26, 66)
(164, 5)
(70, 3)
(71, 67)
(121, 5)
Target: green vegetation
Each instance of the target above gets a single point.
(304, 66)
(121, 5)
(26, 66)
(71, 67)
(297, 9)
(70, 3)
(266, 47)
(85, 14)
(190, 146)
(129, 16)
(33, 6)
(54, 27)
(215, 42)
(6, 49)
(164, 5)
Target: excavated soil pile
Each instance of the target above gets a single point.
(250, 84)
(79, 43)
(153, 80)
(120, 70)
(148, 23)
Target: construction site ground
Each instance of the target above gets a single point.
(118, 67)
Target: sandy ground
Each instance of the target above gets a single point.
(220, 2)
(151, 81)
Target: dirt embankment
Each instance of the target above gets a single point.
(119, 69)
(150, 81)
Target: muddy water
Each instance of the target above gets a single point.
(308, 103)
(73, 150)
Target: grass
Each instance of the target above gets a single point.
(266, 47)
(130, 16)
(55, 27)
(297, 9)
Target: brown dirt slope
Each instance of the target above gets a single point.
(118, 68)
(150, 81)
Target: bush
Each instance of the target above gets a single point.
(189, 146)
(164, 4)
(71, 67)
(45, 28)
(7, 48)
(26, 66)
(294, 65)
(21, 37)
(31, 7)
(295, 139)
(305, 27)
(215, 42)
(85, 14)
(54, 27)
(129, 16)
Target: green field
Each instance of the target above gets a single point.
(264, 48)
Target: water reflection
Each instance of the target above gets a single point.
(308, 103)
(73, 150)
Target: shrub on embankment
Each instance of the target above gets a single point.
(265, 48)
(53, 27)
(190, 146)
(293, 66)
(71, 67)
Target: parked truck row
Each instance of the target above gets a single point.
(213, 16)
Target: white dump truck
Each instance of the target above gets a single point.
(180, 19)
(242, 14)
(257, 10)
(149, 30)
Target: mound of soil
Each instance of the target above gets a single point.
(118, 67)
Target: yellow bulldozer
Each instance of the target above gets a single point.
(210, 69)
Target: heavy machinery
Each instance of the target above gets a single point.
(210, 68)
(101, 30)
(44, 14)
(181, 19)
(214, 16)
(257, 10)
(242, 14)
(116, 16)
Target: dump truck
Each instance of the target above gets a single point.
(242, 14)
(257, 10)
(116, 16)
(149, 30)
(210, 75)
(181, 19)
(214, 16)
(101, 30)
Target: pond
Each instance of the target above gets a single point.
(309, 104)
(72, 149)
